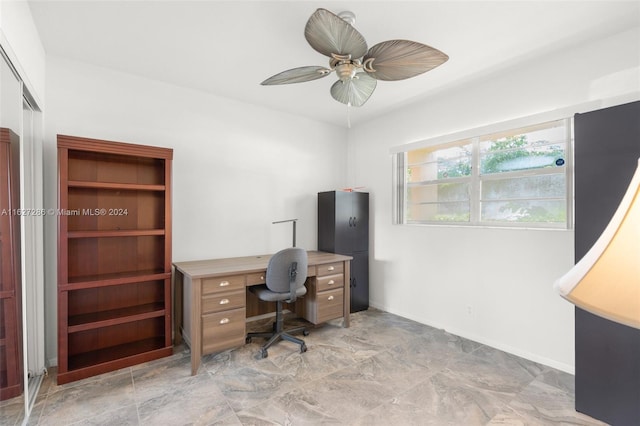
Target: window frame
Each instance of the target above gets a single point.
(475, 137)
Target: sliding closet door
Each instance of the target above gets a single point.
(607, 148)
(32, 243)
(11, 365)
(22, 359)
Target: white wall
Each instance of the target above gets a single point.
(236, 169)
(19, 38)
(490, 285)
(239, 167)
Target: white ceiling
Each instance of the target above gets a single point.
(228, 47)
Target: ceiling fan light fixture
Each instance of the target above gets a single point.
(348, 17)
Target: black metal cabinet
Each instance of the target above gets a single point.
(343, 228)
(607, 147)
(359, 281)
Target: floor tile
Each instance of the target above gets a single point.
(68, 404)
(383, 370)
(542, 404)
(193, 401)
(442, 399)
(12, 410)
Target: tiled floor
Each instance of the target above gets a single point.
(383, 370)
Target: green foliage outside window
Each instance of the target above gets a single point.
(527, 212)
(517, 150)
(456, 168)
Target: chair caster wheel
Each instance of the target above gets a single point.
(263, 354)
(303, 349)
(305, 332)
(247, 340)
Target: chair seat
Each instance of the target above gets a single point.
(263, 293)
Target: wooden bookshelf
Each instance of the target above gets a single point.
(114, 255)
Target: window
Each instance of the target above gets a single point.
(515, 178)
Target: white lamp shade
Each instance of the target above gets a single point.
(606, 281)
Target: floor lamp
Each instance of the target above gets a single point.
(606, 281)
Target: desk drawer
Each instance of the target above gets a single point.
(218, 284)
(329, 282)
(330, 269)
(217, 302)
(257, 278)
(223, 330)
(330, 305)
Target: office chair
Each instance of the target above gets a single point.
(286, 274)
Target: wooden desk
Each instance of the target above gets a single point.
(212, 303)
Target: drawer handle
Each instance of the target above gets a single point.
(224, 283)
(224, 301)
(262, 277)
(330, 268)
(224, 321)
(330, 298)
(331, 282)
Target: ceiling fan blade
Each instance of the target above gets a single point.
(355, 91)
(297, 75)
(327, 33)
(400, 59)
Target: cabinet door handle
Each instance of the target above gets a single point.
(224, 283)
(331, 282)
(224, 321)
(330, 268)
(354, 221)
(330, 298)
(224, 301)
(350, 222)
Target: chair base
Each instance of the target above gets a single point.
(275, 337)
(279, 334)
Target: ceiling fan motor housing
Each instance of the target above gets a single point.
(346, 71)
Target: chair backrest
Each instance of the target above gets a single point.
(280, 267)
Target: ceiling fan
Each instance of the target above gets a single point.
(357, 68)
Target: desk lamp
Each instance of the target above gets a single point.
(294, 228)
(606, 281)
